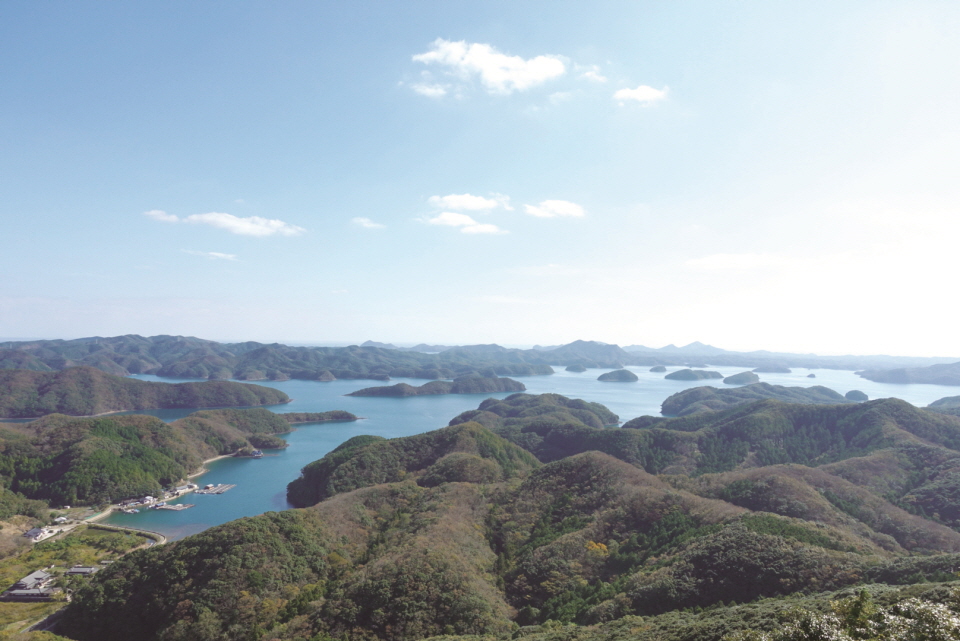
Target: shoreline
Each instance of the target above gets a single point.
(203, 466)
(113, 508)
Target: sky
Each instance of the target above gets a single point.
(751, 174)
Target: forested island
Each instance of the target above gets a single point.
(463, 385)
(743, 378)
(618, 376)
(529, 512)
(702, 399)
(86, 391)
(692, 375)
(939, 374)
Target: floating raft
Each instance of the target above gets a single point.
(177, 507)
(216, 489)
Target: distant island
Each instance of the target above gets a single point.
(856, 396)
(189, 357)
(462, 385)
(334, 416)
(85, 391)
(941, 374)
(743, 378)
(692, 375)
(658, 369)
(705, 399)
(773, 369)
(618, 376)
(576, 368)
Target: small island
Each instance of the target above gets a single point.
(470, 384)
(618, 376)
(576, 367)
(743, 378)
(811, 375)
(658, 369)
(856, 395)
(692, 375)
(333, 416)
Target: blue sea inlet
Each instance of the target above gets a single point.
(261, 483)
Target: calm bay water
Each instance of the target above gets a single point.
(261, 483)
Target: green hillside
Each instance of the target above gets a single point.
(461, 532)
(86, 391)
(702, 399)
(83, 461)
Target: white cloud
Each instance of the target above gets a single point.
(642, 94)
(560, 96)
(211, 255)
(367, 223)
(162, 216)
(466, 224)
(498, 72)
(452, 219)
(430, 91)
(467, 202)
(735, 262)
(249, 226)
(555, 209)
(592, 73)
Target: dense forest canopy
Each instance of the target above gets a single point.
(537, 511)
(87, 391)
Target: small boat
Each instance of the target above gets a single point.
(256, 454)
(131, 510)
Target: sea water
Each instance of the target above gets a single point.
(261, 483)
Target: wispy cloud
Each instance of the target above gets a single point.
(210, 255)
(466, 224)
(499, 73)
(248, 226)
(161, 215)
(555, 209)
(592, 73)
(643, 94)
(429, 90)
(366, 223)
(467, 202)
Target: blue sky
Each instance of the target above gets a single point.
(755, 175)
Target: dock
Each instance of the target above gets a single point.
(175, 508)
(216, 489)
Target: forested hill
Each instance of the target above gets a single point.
(704, 399)
(461, 532)
(86, 391)
(84, 461)
(186, 357)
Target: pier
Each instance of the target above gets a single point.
(216, 489)
(176, 508)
